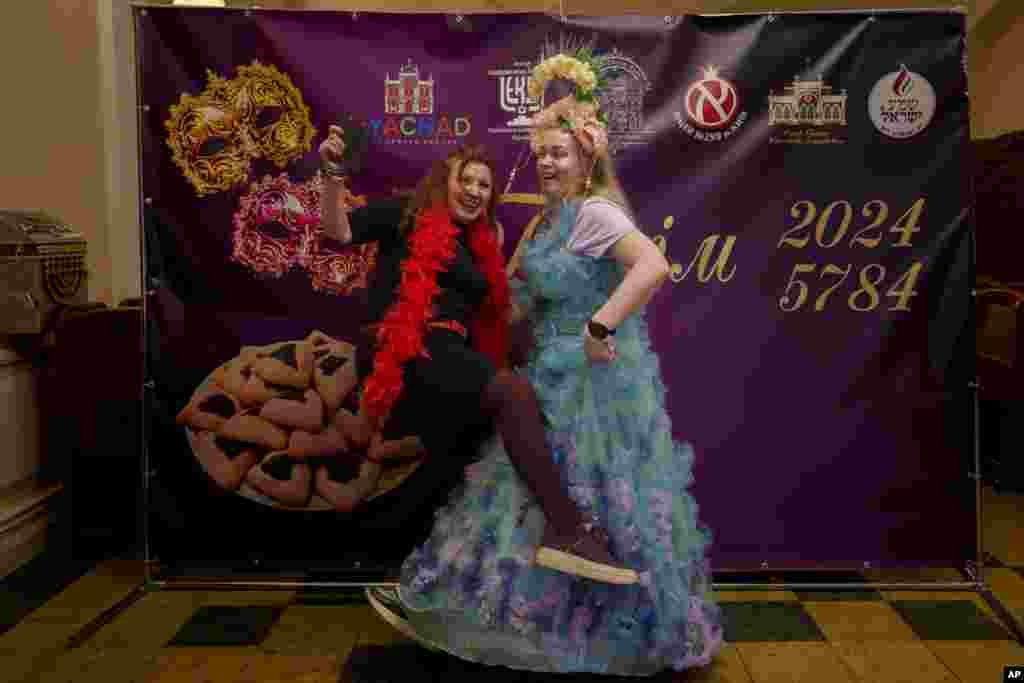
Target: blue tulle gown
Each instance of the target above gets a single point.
(472, 590)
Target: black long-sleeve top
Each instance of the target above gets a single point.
(463, 285)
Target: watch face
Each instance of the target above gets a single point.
(597, 330)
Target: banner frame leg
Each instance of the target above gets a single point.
(979, 489)
(156, 577)
(147, 385)
(993, 601)
(108, 615)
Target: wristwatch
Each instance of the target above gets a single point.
(598, 331)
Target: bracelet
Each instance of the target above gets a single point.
(332, 170)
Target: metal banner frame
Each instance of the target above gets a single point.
(155, 579)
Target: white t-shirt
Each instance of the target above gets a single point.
(599, 225)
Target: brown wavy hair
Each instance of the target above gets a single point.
(433, 189)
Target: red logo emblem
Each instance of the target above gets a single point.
(712, 102)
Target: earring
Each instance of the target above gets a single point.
(593, 165)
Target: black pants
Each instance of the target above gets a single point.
(442, 400)
(442, 403)
(451, 400)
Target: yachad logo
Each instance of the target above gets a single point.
(411, 115)
(408, 94)
(901, 104)
(623, 100)
(808, 112)
(514, 100)
(713, 108)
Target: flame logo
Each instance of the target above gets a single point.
(904, 83)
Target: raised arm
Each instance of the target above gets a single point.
(344, 218)
(334, 205)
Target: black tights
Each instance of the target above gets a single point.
(511, 402)
(449, 396)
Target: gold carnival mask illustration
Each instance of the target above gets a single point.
(215, 136)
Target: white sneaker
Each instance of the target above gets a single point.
(389, 606)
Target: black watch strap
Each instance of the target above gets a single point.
(598, 331)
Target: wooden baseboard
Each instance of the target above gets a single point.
(27, 514)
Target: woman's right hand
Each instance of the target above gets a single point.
(332, 149)
(596, 350)
(336, 201)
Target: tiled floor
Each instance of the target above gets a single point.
(52, 629)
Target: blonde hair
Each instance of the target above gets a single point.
(604, 181)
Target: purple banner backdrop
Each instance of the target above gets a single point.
(802, 172)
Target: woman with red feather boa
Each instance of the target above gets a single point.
(438, 353)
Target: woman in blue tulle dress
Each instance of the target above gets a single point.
(582, 273)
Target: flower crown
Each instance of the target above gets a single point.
(582, 68)
(579, 113)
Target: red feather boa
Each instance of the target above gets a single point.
(401, 333)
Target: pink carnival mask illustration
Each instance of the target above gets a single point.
(277, 228)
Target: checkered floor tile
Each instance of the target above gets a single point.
(228, 625)
(949, 620)
(319, 635)
(319, 632)
(768, 621)
(746, 621)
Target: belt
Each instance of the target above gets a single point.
(452, 325)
